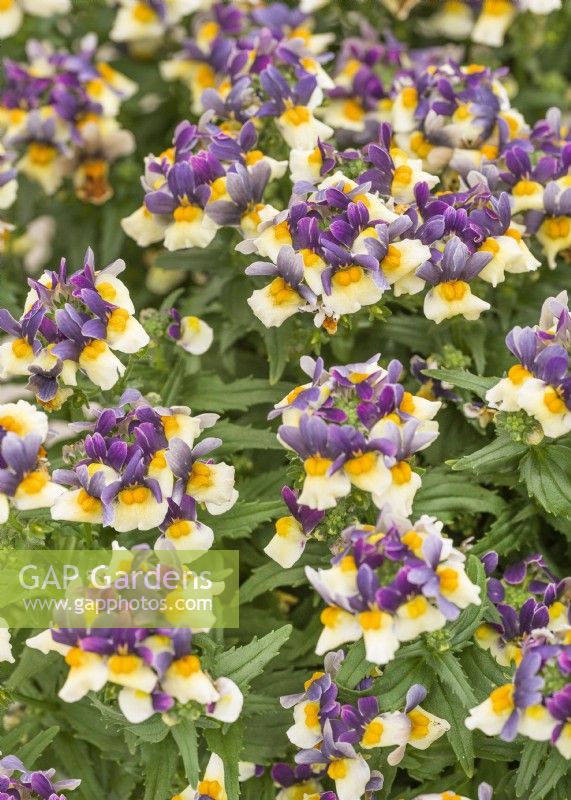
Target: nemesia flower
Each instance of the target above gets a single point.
(355, 426)
(25, 483)
(283, 296)
(532, 642)
(425, 588)
(143, 21)
(415, 726)
(70, 323)
(5, 646)
(191, 333)
(156, 668)
(17, 781)
(539, 383)
(331, 737)
(292, 531)
(450, 274)
(212, 786)
(58, 114)
(155, 477)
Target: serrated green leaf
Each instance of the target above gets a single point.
(397, 678)
(197, 259)
(31, 662)
(278, 343)
(452, 676)
(546, 471)
(185, 736)
(243, 518)
(463, 380)
(243, 664)
(553, 771)
(161, 761)
(78, 763)
(532, 755)
(446, 495)
(460, 738)
(209, 391)
(355, 666)
(270, 576)
(498, 455)
(507, 532)
(244, 437)
(29, 752)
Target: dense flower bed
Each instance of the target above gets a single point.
(290, 279)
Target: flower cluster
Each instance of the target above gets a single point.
(205, 180)
(25, 481)
(333, 738)
(17, 781)
(539, 384)
(529, 599)
(155, 668)
(359, 220)
(140, 468)
(12, 13)
(484, 22)
(390, 583)
(355, 428)
(263, 62)
(533, 642)
(58, 112)
(344, 260)
(71, 323)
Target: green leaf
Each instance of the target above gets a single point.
(78, 763)
(446, 495)
(460, 738)
(29, 752)
(228, 745)
(278, 343)
(215, 259)
(482, 670)
(463, 380)
(243, 437)
(355, 666)
(270, 576)
(411, 330)
(554, 769)
(268, 742)
(532, 755)
(499, 454)
(397, 678)
(153, 730)
(243, 518)
(31, 663)
(161, 760)
(546, 471)
(185, 736)
(508, 532)
(209, 391)
(463, 629)
(243, 664)
(452, 676)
